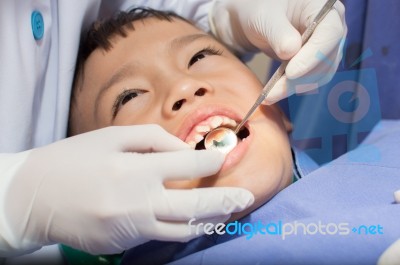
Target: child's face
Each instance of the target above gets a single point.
(175, 75)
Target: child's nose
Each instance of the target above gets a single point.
(183, 94)
(178, 104)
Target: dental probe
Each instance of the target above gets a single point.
(224, 139)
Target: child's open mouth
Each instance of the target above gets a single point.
(242, 134)
(197, 125)
(196, 137)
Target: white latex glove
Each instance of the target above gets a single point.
(391, 256)
(275, 27)
(102, 192)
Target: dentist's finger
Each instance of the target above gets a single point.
(146, 138)
(186, 164)
(181, 205)
(324, 44)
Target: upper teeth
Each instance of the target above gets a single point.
(201, 129)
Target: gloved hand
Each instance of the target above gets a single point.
(391, 256)
(275, 27)
(102, 192)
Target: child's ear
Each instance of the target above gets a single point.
(288, 125)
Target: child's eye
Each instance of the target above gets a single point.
(202, 54)
(128, 97)
(124, 98)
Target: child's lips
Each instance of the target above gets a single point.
(200, 115)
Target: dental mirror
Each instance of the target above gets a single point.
(221, 139)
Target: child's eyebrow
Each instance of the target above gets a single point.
(122, 73)
(183, 41)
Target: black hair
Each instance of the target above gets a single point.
(101, 32)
